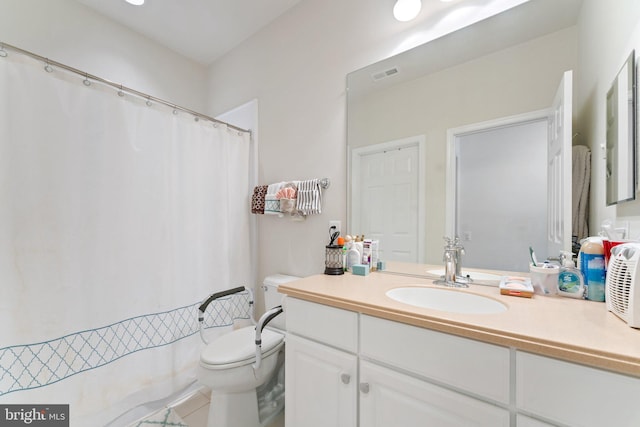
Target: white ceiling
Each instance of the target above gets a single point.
(202, 30)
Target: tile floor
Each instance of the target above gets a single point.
(194, 410)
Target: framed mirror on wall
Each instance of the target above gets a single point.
(621, 135)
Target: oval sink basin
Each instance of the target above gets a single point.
(446, 300)
(475, 275)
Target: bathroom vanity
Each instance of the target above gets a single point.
(355, 357)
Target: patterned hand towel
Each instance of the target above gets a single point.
(309, 197)
(257, 200)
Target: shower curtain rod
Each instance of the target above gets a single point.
(49, 63)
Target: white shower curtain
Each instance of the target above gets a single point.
(115, 219)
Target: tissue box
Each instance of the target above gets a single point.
(360, 269)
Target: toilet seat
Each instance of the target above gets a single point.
(237, 348)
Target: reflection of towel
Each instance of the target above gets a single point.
(581, 177)
(271, 202)
(257, 200)
(309, 197)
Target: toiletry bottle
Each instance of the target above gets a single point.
(353, 257)
(592, 267)
(359, 246)
(343, 256)
(570, 279)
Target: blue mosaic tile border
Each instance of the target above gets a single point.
(28, 366)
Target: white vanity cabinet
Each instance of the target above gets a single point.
(326, 347)
(346, 369)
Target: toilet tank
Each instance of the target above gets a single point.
(272, 298)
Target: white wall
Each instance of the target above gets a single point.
(70, 33)
(607, 35)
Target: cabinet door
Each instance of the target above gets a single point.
(321, 385)
(390, 398)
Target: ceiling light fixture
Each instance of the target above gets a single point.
(406, 10)
(135, 2)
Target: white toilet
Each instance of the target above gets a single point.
(247, 387)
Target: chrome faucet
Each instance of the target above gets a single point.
(453, 251)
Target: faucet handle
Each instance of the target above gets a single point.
(450, 243)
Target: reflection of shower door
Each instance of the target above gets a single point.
(386, 189)
(505, 224)
(501, 195)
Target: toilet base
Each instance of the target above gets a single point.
(234, 410)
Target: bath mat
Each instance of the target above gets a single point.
(165, 417)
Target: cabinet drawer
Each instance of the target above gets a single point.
(574, 394)
(462, 363)
(329, 325)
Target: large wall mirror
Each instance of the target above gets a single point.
(401, 110)
(621, 135)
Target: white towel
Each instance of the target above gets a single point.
(581, 178)
(309, 197)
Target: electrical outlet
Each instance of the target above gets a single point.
(337, 224)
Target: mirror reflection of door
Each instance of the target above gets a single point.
(509, 186)
(387, 197)
(501, 195)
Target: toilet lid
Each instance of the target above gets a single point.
(238, 345)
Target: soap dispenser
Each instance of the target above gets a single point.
(570, 279)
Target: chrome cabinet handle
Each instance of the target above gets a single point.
(364, 388)
(345, 378)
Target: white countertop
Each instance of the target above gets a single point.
(575, 330)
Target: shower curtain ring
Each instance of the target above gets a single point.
(86, 80)
(120, 92)
(3, 53)
(149, 103)
(48, 68)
